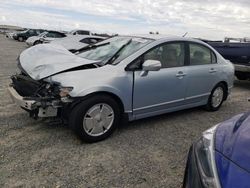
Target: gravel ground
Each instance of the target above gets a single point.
(145, 153)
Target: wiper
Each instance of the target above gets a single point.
(116, 55)
(89, 47)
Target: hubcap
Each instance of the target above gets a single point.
(217, 97)
(98, 119)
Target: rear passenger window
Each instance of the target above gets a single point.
(201, 55)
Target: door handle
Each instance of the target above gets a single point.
(180, 74)
(212, 70)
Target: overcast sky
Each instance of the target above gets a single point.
(208, 19)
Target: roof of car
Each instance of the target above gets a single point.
(153, 36)
(53, 31)
(163, 37)
(84, 36)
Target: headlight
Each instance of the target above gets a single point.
(64, 91)
(205, 155)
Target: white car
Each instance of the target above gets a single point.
(80, 32)
(9, 35)
(44, 37)
(76, 42)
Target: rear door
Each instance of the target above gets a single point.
(202, 73)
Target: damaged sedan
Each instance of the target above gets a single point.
(135, 77)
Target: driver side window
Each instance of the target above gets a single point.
(170, 55)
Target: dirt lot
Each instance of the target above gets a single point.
(145, 153)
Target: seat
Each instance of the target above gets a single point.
(198, 58)
(169, 57)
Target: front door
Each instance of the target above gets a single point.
(160, 91)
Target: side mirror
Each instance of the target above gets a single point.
(150, 65)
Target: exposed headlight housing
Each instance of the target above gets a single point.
(64, 91)
(205, 155)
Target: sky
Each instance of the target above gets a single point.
(205, 19)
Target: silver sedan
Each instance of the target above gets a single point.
(136, 76)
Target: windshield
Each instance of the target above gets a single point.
(120, 47)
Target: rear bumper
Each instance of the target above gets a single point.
(242, 68)
(34, 107)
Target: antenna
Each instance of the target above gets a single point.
(185, 34)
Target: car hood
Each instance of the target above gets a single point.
(44, 60)
(232, 140)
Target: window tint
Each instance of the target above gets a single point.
(86, 40)
(50, 34)
(31, 32)
(93, 40)
(214, 59)
(54, 35)
(58, 35)
(83, 32)
(170, 55)
(39, 31)
(201, 55)
(90, 40)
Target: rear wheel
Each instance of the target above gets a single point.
(216, 97)
(95, 118)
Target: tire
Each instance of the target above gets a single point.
(88, 113)
(214, 103)
(37, 42)
(20, 39)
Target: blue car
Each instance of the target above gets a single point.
(221, 157)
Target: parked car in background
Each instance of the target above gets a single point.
(80, 32)
(132, 76)
(221, 158)
(24, 35)
(74, 43)
(237, 50)
(10, 35)
(45, 37)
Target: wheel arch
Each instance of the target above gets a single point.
(110, 94)
(226, 87)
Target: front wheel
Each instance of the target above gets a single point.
(216, 97)
(95, 118)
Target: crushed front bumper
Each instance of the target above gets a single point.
(18, 99)
(34, 107)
